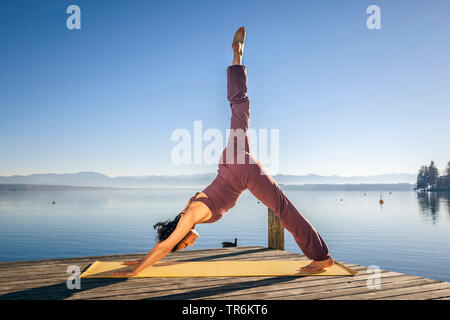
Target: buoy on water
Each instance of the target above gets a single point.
(381, 199)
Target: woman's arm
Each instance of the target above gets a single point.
(158, 252)
(161, 249)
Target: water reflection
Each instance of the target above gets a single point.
(429, 204)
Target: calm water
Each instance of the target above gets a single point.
(409, 233)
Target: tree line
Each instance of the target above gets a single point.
(428, 178)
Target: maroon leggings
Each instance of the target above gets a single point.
(239, 170)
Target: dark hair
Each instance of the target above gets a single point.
(166, 228)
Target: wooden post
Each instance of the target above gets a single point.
(276, 231)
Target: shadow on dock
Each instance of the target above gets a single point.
(226, 255)
(226, 288)
(58, 291)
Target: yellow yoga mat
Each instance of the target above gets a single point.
(224, 268)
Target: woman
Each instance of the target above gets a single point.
(238, 171)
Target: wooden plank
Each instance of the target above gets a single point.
(275, 231)
(412, 287)
(314, 287)
(435, 294)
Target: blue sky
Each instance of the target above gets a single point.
(346, 100)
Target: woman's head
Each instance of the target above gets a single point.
(165, 229)
(188, 240)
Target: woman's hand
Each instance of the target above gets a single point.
(125, 273)
(129, 272)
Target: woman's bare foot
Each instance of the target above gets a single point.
(316, 266)
(238, 45)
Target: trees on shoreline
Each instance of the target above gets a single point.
(428, 178)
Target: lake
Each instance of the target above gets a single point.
(410, 233)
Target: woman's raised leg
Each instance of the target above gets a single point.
(238, 142)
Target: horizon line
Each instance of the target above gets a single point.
(204, 173)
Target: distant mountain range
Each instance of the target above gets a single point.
(350, 187)
(95, 179)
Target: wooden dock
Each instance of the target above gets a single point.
(47, 279)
